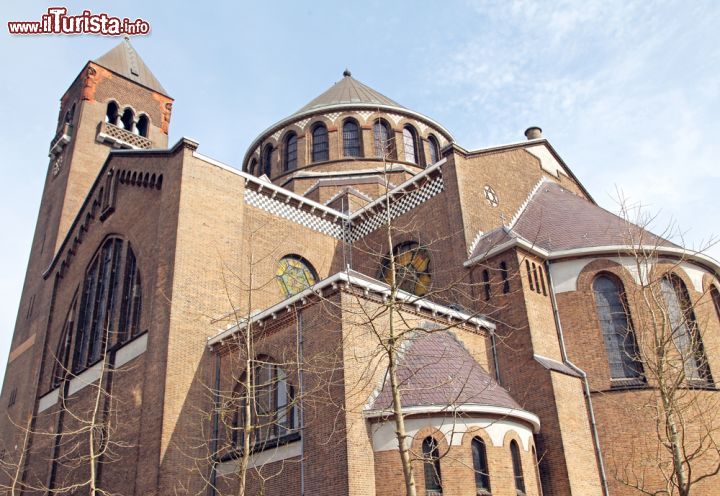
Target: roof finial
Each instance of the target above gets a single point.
(347, 73)
(126, 37)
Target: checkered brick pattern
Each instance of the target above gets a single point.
(281, 209)
(407, 202)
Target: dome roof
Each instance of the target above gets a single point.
(349, 91)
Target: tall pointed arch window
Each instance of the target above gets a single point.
(684, 329)
(110, 303)
(480, 466)
(431, 467)
(410, 145)
(351, 139)
(291, 152)
(320, 148)
(618, 335)
(383, 139)
(517, 468)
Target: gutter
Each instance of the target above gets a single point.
(586, 383)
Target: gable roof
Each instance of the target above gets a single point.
(348, 91)
(436, 370)
(556, 220)
(125, 61)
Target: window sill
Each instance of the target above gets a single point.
(634, 383)
(260, 447)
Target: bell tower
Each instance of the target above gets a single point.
(115, 102)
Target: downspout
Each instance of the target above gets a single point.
(215, 429)
(586, 382)
(301, 416)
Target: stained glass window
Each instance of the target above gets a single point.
(412, 268)
(351, 139)
(383, 139)
(409, 144)
(295, 274)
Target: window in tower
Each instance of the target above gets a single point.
(412, 268)
(351, 139)
(320, 149)
(434, 148)
(410, 145)
(143, 125)
(505, 276)
(486, 284)
(128, 120)
(291, 151)
(617, 331)
(111, 116)
(383, 139)
(295, 274)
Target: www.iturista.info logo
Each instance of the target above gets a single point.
(57, 21)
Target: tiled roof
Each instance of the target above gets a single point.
(349, 91)
(125, 61)
(556, 220)
(436, 370)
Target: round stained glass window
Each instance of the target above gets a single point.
(295, 274)
(412, 268)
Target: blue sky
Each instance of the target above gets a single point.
(627, 92)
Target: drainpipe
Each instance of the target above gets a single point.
(586, 382)
(301, 416)
(215, 429)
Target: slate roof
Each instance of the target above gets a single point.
(436, 370)
(125, 61)
(349, 91)
(556, 220)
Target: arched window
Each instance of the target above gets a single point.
(383, 139)
(434, 148)
(716, 300)
(618, 335)
(295, 274)
(272, 409)
(351, 139)
(410, 145)
(267, 160)
(320, 148)
(504, 274)
(291, 152)
(105, 290)
(128, 120)
(412, 268)
(63, 348)
(517, 468)
(70, 115)
(431, 466)
(111, 116)
(252, 166)
(480, 466)
(486, 284)
(684, 329)
(143, 125)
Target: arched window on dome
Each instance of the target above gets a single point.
(434, 148)
(107, 288)
(685, 330)
(617, 331)
(410, 145)
(111, 115)
(272, 407)
(351, 139)
(431, 466)
(291, 152)
(715, 294)
(384, 141)
(480, 466)
(517, 467)
(295, 274)
(252, 166)
(320, 148)
(143, 125)
(267, 160)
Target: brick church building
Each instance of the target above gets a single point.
(163, 285)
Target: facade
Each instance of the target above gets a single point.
(153, 268)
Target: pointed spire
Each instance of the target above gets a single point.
(125, 61)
